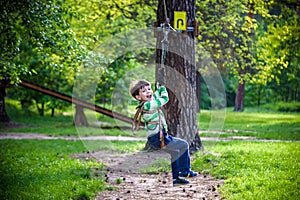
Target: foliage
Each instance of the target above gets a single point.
(278, 43)
(95, 21)
(36, 33)
(96, 25)
(283, 107)
(226, 31)
(50, 39)
(253, 169)
(38, 45)
(253, 41)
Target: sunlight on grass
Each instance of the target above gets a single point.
(33, 169)
(284, 126)
(263, 170)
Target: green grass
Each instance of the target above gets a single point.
(253, 170)
(271, 125)
(44, 169)
(33, 169)
(280, 126)
(62, 123)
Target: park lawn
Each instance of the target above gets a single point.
(44, 169)
(253, 170)
(271, 125)
(263, 125)
(33, 169)
(62, 123)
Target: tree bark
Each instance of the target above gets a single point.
(239, 98)
(80, 118)
(181, 110)
(3, 115)
(52, 112)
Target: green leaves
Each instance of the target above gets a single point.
(34, 31)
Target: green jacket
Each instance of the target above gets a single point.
(152, 113)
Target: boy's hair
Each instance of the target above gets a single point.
(135, 86)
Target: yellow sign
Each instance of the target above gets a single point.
(180, 20)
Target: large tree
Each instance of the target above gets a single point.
(177, 71)
(255, 41)
(278, 51)
(34, 33)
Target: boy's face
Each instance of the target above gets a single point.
(145, 93)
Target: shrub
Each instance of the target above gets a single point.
(283, 106)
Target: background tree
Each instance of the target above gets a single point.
(278, 47)
(228, 31)
(97, 22)
(35, 32)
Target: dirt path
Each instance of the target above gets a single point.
(17, 136)
(134, 184)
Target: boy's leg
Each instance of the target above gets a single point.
(178, 149)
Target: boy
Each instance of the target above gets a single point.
(150, 103)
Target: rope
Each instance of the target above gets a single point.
(165, 44)
(165, 9)
(161, 134)
(166, 29)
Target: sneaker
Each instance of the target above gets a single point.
(188, 174)
(180, 181)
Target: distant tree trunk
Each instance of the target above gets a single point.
(40, 110)
(80, 119)
(180, 77)
(258, 96)
(52, 112)
(239, 98)
(3, 115)
(240, 94)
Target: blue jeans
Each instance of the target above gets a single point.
(177, 148)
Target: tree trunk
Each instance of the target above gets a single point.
(239, 98)
(240, 94)
(258, 96)
(52, 112)
(3, 115)
(40, 110)
(80, 119)
(180, 78)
